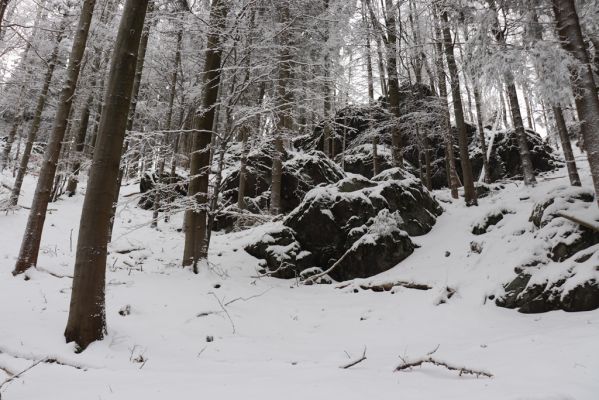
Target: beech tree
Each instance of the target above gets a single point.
(203, 119)
(35, 224)
(585, 88)
(87, 316)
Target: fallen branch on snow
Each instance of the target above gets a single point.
(587, 224)
(431, 360)
(19, 374)
(359, 360)
(387, 286)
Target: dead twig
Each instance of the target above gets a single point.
(247, 298)
(19, 374)
(431, 360)
(355, 362)
(224, 309)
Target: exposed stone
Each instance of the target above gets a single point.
(368, 220)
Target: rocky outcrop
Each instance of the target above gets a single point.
(355, 127)
(301, 173)
(365, 222)
(170, 188)
(566, 277)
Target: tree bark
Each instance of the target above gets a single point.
(481, 133)
(283, 102)
(467, 178)
(583, 82)
(87, 315)
(33, 232)
(527, 168)
(566, 146)
(452, 175)
(196, 222)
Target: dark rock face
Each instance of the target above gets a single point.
(366, 222)
(489, 220)
(572, 256)
(539, 298)
(301, 173)
(171, 188)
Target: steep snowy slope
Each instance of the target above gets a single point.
(227, 334)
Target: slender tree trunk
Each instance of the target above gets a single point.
(566, 146)
(284, 123)
(35, 123)
(481, 133)
(368, 57)
(583, 82)
(468, 181)
(527, 168)
(242, 167)
(452, 175)
(33, 232)
(87, 315)
(139, 67)
(196, 222)
(393, 83)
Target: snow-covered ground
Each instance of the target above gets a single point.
(272, 339)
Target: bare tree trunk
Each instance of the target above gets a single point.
(283, 99)
(35, 124)
(452, 175)
(566, 146)
(245, 130)
(196, 223)
(393, 84)
(35, 224)
(368, 57)
(583, 82)
(468, 181)
(168, 126)
(87, 315)
(527, 168)
(139, 67)
(481, 133)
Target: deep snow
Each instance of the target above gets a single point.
(289, 341)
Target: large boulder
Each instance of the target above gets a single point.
(171, 187)
(366, 223)
(565, 276)
(301, 173)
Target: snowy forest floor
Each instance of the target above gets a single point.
(273, 339)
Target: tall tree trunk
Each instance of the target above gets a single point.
(467, 178)
(527, 168)
(139, 67)
(196, 223)
(283, 103)
(566, 146)
(452, 175)
(393, 84)
(87, 315)
(33, 232)
(481, 133)
(245, 131)
(583, 82)
(35, 123)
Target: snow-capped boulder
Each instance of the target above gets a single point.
(567, 276)
(171, 188)
(301, 173)
(370, 221)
